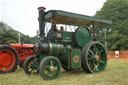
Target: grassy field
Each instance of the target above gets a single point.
(116, 73)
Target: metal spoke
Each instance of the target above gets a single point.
(46, 72)
(98, 63)
(97, 50)
(101, 50)
(34, 71)
(51, 63)
(90, 58)
(91, 52)
(56, 68)
(94, 47)
(29, 67)
(91, 65)
(102, 62)
(95, 67)
(30, 70)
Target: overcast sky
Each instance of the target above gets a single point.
(22, 15)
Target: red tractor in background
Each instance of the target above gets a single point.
(12, 55)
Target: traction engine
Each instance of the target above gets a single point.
(71, 50)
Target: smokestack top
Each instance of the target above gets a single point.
(41, 8)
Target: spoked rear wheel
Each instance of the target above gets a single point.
(50, 68)
(31, 65)
(8, 59)
(94, 57)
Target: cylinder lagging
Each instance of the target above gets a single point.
(50, 48)
(42, 22)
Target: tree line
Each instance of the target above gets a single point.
(9, 35)
(117, 11)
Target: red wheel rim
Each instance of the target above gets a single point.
(7, 60)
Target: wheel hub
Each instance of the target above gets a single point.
(5, 59)
(52, 68)
(97, 57)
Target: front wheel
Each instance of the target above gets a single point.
(94, 57)
(31, 65)
(50, 68)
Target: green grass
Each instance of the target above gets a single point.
(116, 73)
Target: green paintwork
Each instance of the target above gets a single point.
(96, 49)
(62, 17)
(54, 49)
(32, 65)
(67, 36)
(57, 49)
(83, 36)
(42, 57)
(73, 53)
(46, 69)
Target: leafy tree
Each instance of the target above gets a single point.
(117, 11)
(7, 34)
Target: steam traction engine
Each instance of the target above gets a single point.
(70, 49)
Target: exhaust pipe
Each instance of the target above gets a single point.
(41, 22)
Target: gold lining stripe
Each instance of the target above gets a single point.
(58, 50)
(59, 47)
(50, 48)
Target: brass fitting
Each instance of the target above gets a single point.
(41, 8)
